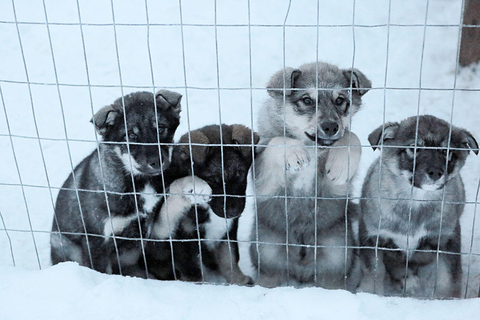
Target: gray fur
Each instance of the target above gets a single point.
(423, 206)
(294, 164)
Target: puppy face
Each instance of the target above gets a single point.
(138, 130)
(224, 168)
(320, 100)
(426, 157)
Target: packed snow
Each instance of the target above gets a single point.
(219, 55)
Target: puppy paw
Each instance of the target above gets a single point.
(194, 189)
(245, 281)
(413, 285)
(343, 159)
(292, 154)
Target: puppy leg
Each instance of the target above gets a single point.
(269, 257)
(280, 154)
(63, 249)
(373, 279)
(228, 263)
(287, 153)
(184, 193)
(441, 280)
(343, 160)
(373, 271)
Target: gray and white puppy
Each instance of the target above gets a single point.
(412, 200)
(301, 236)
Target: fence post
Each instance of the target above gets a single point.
(470, 44)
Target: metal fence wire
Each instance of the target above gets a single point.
(63, 61)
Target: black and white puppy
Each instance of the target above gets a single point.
(113, 190)
(412, 200)
(221, 157)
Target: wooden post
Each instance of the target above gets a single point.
(470, 44)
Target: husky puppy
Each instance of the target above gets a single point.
(113, 189)
(412, 200)
(301, 235)
(220, 156)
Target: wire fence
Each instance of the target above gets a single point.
(43, 104)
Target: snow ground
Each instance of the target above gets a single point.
(67, 291)
(401, 45)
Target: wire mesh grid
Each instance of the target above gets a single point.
(33, 229)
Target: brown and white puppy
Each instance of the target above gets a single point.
(302, 235)
(412, 200)
(219, 157)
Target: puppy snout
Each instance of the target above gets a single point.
(329, 128)
(154, 164)
(435, 173)
(229, 207)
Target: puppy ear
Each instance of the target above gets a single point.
(383, 133)
(105, 118)
(169, 99)
(242, 135)
(358, 80)
(199, 146)
(283, 79)
(469, 141)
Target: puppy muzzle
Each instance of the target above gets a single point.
(326, 133)
(231, 208)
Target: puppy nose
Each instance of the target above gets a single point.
(330, 128)
(435, 174)
(154, 163)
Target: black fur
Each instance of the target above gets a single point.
(100, 191)
(225, 170)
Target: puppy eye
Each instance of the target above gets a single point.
(339, 101)
(307, 101)
(132, 136)
(448, 154)
(162, 129)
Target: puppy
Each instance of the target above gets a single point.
(113, 190)
(302, 236)
(412, 200)
(204, 235)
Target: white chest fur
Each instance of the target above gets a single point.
(405, 242)
(150, 198)
(305, 178)
(115, 225)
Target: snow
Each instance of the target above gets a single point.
(239, 59)
(68, 291)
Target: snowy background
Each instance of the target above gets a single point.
(54, 76)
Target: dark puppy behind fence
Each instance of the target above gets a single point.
(220, 157)
(115, 188)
